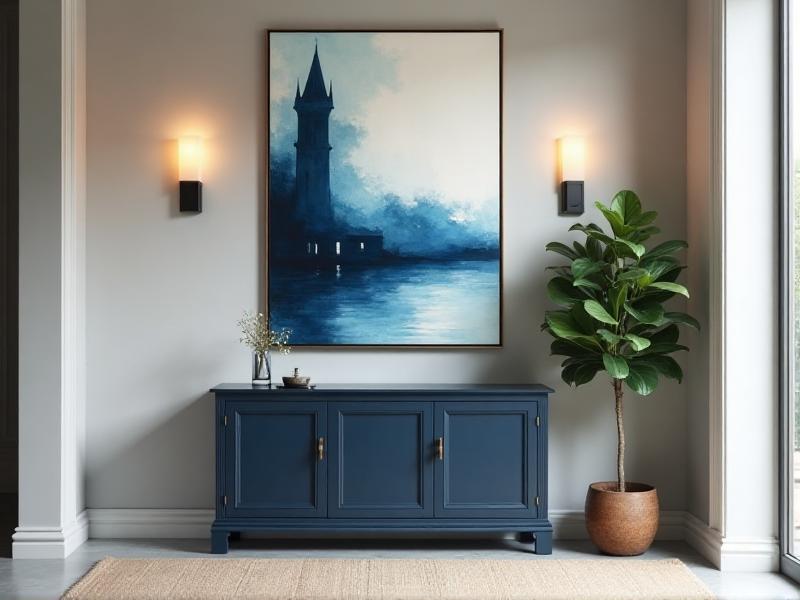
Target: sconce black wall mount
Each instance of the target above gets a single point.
(191, 196)
(571, 198)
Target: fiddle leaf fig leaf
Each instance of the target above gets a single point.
(632, 274)
(670, 287)
(637, 249)
(643, 219)
(666, 248)
(639, 343)
(617, 297)
(582, 267)
(616, 366)
(642, 378)
(586, 283)
(614, 219)
(608, 336)
(562, 324)
(651, 315)
(627, 205)
(594, 308)
(683, 319)
(666, 365)
(561, 249)
(561, 291)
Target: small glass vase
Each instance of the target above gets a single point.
(262, 368)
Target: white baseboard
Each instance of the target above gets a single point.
(46, 542)
(569, 525)
(758, 555)
(704, 539)
(727, 554)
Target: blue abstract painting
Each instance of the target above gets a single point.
(384, 184)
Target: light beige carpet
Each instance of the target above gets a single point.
(385, 579)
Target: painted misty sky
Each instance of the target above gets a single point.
(415, 131)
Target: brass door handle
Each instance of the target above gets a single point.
(321, 448)
(440, 448)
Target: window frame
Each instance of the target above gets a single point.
(789, 563)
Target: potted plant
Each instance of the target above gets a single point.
(613, 320)
(261, 339)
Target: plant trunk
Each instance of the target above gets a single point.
(620, 436)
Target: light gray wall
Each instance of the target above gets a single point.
(164, 290)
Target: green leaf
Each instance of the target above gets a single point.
(570, 348)
(657, 268)
(562, 249)
(586, 372)
(627, 205)
(585, 323)
(642, 378)
(580, 372)
(665, 248)
(602, 237)
(593, 249)
(668, 335)
(683, 319)
(608, 336)
(596, 309)
(665, 348)
(670, 287)
(638, 343)
(632, 273)
(651, 315)
(562, 324)
(586, 283)
(582, 267)
(617, 296)
(614, 219)
(579, 248)
(584, 228)
(616, 366)
(637, 249)
(643, 219)
(643, 234)
(561, 291)
(666, 365)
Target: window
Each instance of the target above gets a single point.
(316, 248)
(338, 248)
(361, 245)
(308, 248)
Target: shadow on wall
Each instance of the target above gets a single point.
(178, 454)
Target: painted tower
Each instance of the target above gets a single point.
(313, 165)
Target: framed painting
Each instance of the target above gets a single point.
(384, 209)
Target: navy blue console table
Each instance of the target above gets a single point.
(382, 458)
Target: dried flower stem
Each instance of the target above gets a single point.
(257, 334)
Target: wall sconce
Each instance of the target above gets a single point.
(190, 151)
(572, 155)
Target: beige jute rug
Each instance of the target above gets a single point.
(385, 579)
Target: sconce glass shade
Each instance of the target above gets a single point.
(190, 155)
(572, 155)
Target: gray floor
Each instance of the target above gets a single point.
(47, 579)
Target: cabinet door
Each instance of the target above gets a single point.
(380, 459)
(272, 459)
(487, 467)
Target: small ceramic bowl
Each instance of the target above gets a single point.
(296, 380)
